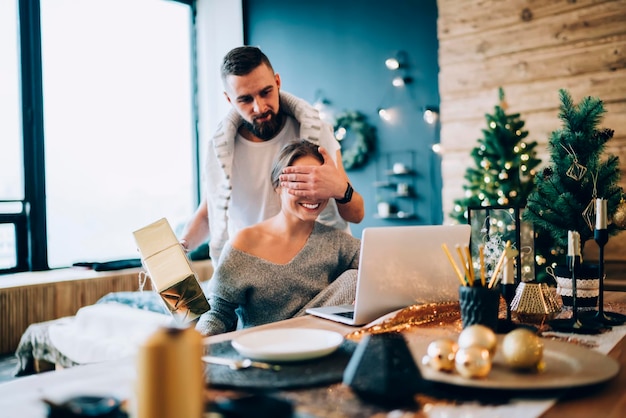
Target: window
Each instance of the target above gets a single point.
(118, 125)
(12, 183)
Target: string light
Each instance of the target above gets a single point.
(340, 133)
(384, 114)
(392, 63)
(431, 115)
(323, 107)
(398, 81)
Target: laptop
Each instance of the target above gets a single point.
(400, 266)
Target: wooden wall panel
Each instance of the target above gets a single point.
(559, 61)
(531, 48)
(536, 96)
(501, 36)
(485, 14)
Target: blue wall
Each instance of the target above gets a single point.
(339, 47)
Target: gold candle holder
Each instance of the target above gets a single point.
(534, 303)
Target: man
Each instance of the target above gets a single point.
(241, 153)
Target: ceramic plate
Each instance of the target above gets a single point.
(566, 366)
(287, 344)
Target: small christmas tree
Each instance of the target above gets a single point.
(505, 165)
(565, 191)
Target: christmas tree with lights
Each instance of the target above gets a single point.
(505, 165)
(579, 172)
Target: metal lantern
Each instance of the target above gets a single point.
(493, 226)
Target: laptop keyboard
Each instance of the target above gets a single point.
(349, 314)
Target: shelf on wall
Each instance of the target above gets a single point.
(385, 184)
(397, 173)
(396, 185)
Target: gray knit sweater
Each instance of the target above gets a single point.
(254, 291)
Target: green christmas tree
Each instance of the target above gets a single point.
(565, 190)
(505, 165)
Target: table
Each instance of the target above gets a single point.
(21, 397)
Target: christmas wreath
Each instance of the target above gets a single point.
(355, 125)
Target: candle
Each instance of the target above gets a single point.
(576, 240)
(600, 213)
(508, 276)
(573, 243)
(570, 243)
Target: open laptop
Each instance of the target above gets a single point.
(401, 266)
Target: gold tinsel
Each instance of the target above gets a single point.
(434, 314)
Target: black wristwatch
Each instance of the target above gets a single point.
(347, 196)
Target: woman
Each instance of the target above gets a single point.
(277, 268)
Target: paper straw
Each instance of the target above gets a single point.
(481, 252)
(468, 276)
(456, 268)
(496, 271)
(470, 263)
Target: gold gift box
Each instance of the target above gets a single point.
(169, 269)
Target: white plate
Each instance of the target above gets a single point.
(287, 344)
(566, 366)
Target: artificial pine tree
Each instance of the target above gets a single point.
(505, 164)
(565, 190)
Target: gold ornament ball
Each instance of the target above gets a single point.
(440, 354)
(522, 349)
(479, 335)
(473, 362)
(619, 217)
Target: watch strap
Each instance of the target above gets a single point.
(347, 196)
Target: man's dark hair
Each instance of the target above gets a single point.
(242, 60)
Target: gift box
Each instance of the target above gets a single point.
(170, 271)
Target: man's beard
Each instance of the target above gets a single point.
(265, 130)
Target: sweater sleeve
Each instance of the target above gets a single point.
(226, 293)
(350, 252)
(221, 318)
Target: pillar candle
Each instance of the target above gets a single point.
(600, 213)
(170, 375)
(570, 243)
(573, 243)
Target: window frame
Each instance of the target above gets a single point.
(30, 222)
